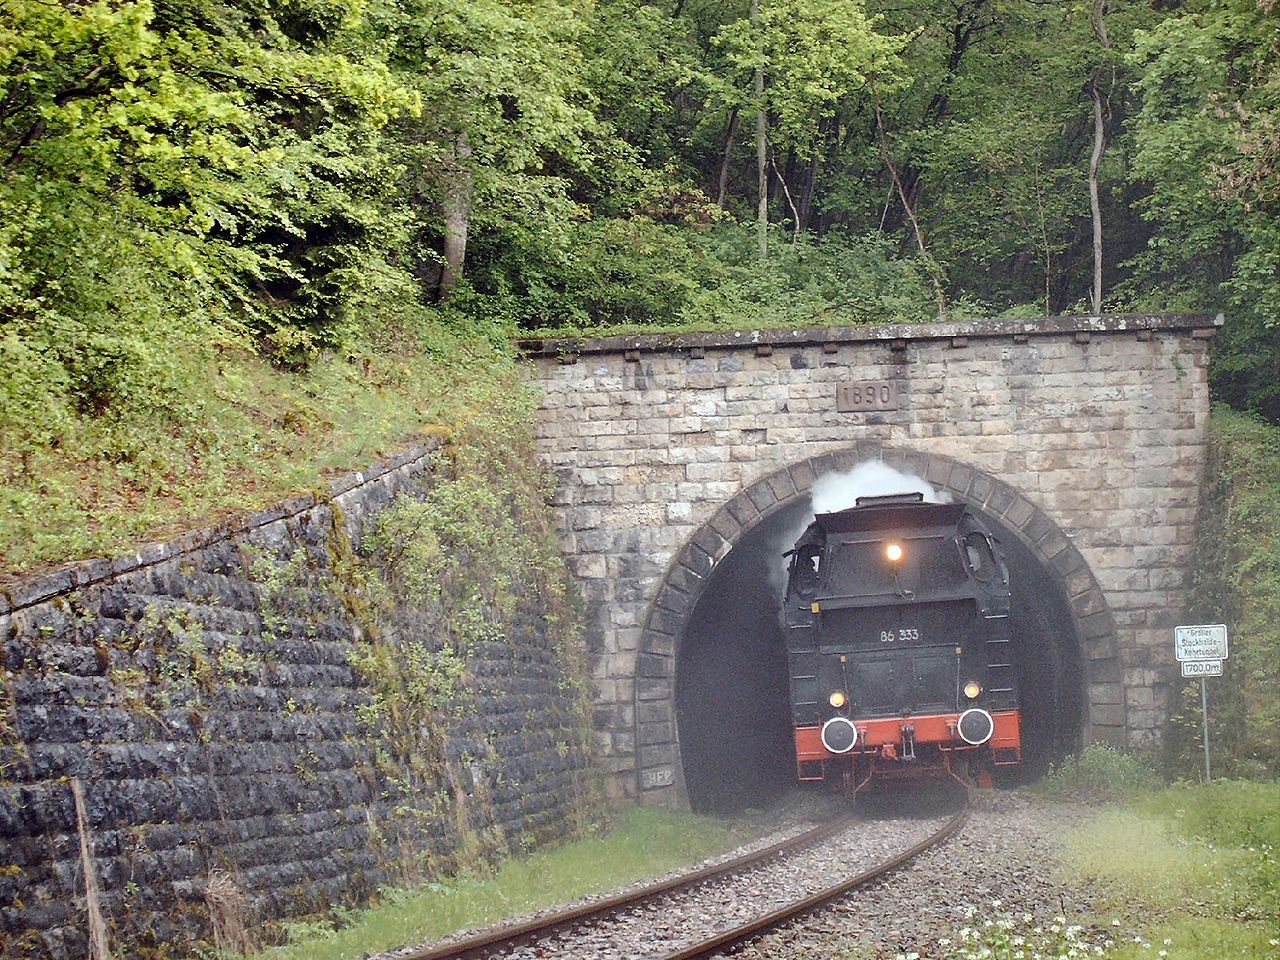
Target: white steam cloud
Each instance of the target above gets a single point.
(839, 491)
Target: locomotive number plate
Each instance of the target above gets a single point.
(905, 635)
(866, 395)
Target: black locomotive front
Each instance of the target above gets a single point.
(897, 627)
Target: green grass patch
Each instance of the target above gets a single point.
(245, 435)
(644, 843)
(1193, 868)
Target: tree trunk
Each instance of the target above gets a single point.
(1097, 16)
(762, 146)
(806, 193)
(786, 192)
(1095, 204)
(1044, 239)
(934, 273)
(723, 185)
(459, 190)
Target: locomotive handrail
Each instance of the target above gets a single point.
(844, 601)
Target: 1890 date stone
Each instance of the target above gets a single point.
(866, 395)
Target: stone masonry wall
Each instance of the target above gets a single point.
(203, 693)
(1084, 435)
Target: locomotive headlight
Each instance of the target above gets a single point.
(837, 699)
(893, 552)
(972, 689)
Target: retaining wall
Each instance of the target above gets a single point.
(203, 693)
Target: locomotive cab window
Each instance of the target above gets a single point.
(979, 557)
(806, 570)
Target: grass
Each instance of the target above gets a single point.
(644, 843)
(1185, 872)
(1100, 772)
(255, 435)
(1193, 867)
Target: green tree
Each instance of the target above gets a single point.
(171, 175)
(1206, 147)
(806, 57)
(506, 114)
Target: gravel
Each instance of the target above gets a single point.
(1004, 860)
(661, 926)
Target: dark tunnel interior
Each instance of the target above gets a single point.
(731, 672)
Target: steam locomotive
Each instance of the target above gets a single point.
(896, 616)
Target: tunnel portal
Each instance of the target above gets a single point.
(1083, 438)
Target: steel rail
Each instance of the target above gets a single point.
(731, 938)
(509, 935)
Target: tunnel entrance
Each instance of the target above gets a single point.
(731, 692)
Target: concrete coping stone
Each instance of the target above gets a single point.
(28, 591)
(1201, 325)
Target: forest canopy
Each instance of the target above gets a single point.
(187, 178)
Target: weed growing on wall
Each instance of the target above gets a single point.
(166, 660)
(475, 557)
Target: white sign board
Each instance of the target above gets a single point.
(1202, 668)
(1208, 642)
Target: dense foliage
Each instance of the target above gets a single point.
(195, 193)
(1238, 583)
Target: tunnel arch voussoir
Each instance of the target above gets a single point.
(658, 751)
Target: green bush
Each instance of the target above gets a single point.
(642, 275)
(1101, 772)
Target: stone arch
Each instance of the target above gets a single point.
(659, 768)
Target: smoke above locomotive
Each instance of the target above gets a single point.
(896, 618)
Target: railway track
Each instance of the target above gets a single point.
(544, 931)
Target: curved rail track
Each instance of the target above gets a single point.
(497, 940)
